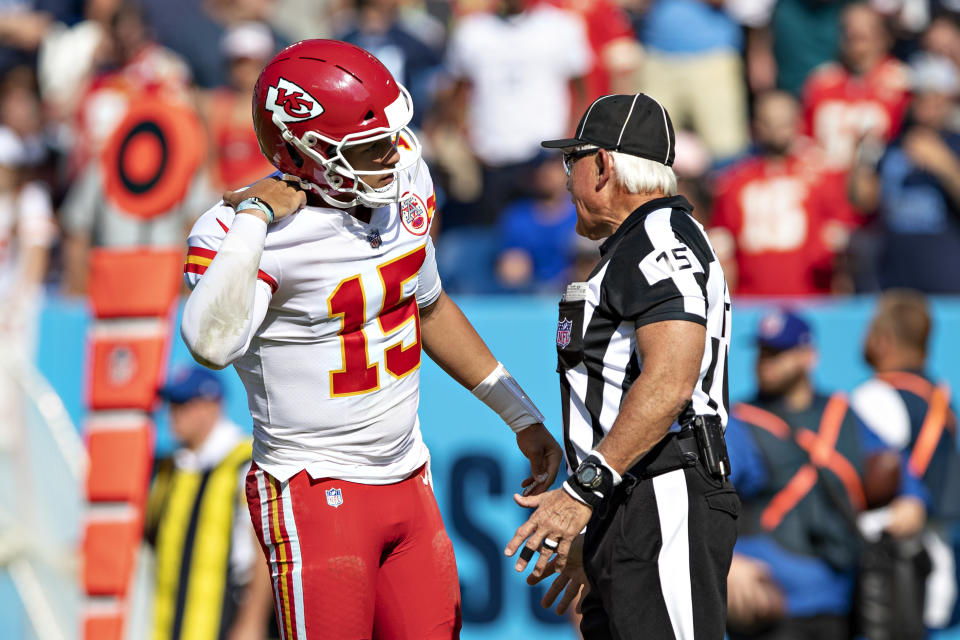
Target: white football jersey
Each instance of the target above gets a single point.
(332, 374)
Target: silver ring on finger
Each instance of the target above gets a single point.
(550, 544)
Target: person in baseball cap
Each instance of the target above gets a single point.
(191, 383)
(195, 397)
(786, 356)
(634, 124)
(197, 523)
(783, 329)
(632, 146)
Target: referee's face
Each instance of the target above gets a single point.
(586, 181)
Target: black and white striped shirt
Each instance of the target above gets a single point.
(658, 266)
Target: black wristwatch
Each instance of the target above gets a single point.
(589, 475)
(592, 482)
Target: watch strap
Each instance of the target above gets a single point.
(590, 498)
(257, 203)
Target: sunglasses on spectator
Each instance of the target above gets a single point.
(570, 157)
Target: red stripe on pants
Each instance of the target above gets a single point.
(380, 565)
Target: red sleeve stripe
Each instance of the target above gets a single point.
(200, 251)
(266, 277)
(200, 269)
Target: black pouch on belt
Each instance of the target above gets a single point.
(713, 448)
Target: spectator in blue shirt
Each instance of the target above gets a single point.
(537, 238)
(377, 28)
(915, 189)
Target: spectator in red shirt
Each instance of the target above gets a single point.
(774, 223)
(235, 158)
(864, 97)
(616, 53)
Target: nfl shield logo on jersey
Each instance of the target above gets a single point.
(334, 497)
(374, 239)
(563, 333)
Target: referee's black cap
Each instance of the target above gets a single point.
(635, 124)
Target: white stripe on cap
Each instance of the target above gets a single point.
(627, 121)
(666, 128)
(587, 117)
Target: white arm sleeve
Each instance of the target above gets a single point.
(228, 303)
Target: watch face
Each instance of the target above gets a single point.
(589, 476)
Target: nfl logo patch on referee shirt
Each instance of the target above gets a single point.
(334, 497)
(563, 333)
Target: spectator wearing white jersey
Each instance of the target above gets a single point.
(27, 231)
(514, 69)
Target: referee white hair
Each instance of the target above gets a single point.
(640, 175)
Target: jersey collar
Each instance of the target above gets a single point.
(669, 202)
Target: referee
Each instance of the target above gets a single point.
(642, 348)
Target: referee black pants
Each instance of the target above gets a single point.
(658, 556)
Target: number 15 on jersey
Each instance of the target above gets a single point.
(358, 375)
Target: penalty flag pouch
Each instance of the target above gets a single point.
(570, 327)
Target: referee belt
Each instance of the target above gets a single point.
(677, 450)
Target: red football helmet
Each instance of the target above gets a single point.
(318, 96)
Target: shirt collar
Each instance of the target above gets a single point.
(669, 202)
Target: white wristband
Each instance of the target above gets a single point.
(259, 205)
(573, 494)
(500, 392)
(616, 476)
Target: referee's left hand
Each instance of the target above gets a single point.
(558, 517)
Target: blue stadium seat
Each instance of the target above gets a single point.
(465, 258)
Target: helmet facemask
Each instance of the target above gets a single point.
(334, 176)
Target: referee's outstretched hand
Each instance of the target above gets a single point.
(552, 528)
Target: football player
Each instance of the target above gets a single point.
(319, 284)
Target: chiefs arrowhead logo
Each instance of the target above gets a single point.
(291, 103)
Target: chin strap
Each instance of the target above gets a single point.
(328, 197)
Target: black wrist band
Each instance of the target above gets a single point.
(590, 498)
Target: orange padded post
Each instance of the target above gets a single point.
(132, 292)
(127, 367)
(103, 625)
(120, 460)
(134, 282)
(110, 544)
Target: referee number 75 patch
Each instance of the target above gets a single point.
(667, 263)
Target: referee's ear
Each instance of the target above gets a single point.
(604, 168)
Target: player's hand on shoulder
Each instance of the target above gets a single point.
(284, 198)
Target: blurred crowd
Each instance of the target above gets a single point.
(819, 140)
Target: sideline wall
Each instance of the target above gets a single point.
(476, 465)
